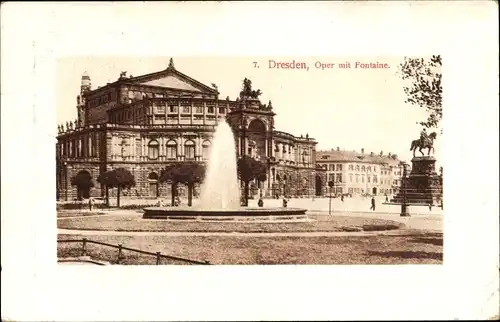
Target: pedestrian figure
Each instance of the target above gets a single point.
(285, 203)
(373, 204)
(91, 202)
(430, 206)
(260, 203)
(386, 198)
(342, 197)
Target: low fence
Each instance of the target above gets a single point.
(121, 248)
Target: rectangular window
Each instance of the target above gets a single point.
(171, 152)
(199, 109)
(331, 167)
(368, 179)
(153, 150)
(186, 109)
(339, 177)
(339, 167)
(172, 109)
(189, 152)
(221, 110)
(211, 109)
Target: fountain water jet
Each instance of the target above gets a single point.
(220, 190)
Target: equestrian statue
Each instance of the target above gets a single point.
(425, 142)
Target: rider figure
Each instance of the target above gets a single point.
(423, 137)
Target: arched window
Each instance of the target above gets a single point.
(363, 168)
(171, 150)
(189, 150)
(205, 150)
(153, 149)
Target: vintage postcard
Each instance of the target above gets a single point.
(226, 161)
(164, 160)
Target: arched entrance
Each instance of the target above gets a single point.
(256, 135)
(83, 183)
(319, 186)
(153, 185)
(374, 190)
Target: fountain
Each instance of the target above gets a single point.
(220, 192)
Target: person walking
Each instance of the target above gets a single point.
(91, 203)
(260, 203)
(373, 204)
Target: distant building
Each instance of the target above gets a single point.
(359, 172)
(144, 123)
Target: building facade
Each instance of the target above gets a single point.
(144, 123)
(358, 173)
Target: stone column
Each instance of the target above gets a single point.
(179, 111)
(160, 148)
(132, 148)
(181, 147)
(192, 112)
(204, 112)
(199, 148)
(143, 147)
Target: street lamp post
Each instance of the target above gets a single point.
(404, 203)
(330, 185)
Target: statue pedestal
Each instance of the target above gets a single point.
(423, 185)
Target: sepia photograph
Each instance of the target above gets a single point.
(249, 160)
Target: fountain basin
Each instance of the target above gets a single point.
(175, 212)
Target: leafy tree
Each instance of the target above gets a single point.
(83, 181)
(424, 89)
(188, 173)
(250, 169)
(119, 178)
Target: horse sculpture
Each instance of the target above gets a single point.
(424, 143)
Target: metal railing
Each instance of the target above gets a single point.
(121, 248)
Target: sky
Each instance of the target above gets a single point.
(350, 108)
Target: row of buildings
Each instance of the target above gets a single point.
(142, 123)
